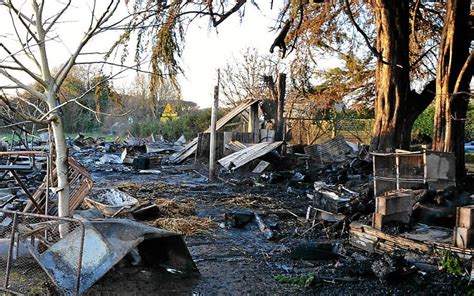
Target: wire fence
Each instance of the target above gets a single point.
(26, 240)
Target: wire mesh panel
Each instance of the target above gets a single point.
(30, 251)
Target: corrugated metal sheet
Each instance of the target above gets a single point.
(191, 147)
(242, 157)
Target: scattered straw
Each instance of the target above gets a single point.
(187, 226)
(172, 209)
(240, 201)
(148, 190)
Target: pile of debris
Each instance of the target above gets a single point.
(402, 206)
(75, 252)
(124, 155)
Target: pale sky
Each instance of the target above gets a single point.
(205, 50)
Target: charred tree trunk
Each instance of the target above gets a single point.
(391, 127)
(452, 83)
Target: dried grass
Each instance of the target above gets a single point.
(240, 201)
(187, 226)
(147, 190)
(249, 202)
(172, 209)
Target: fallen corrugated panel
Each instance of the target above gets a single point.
(191, 147)
(105, 244)
(242, 157)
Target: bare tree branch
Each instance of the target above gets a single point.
(25, 47)
(21, 114)
(466, 70)
(223, 17)
(359, 29)
(22, 67)
(59, 106)
(56, 18)
(59, 79)
(28, 88)
(22, 18)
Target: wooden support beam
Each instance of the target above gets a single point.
(212, 145)
(253, 123)
(281, 107)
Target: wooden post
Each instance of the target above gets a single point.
(253, 119)
(281, 106)
(212, 141)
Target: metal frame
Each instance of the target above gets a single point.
(17, 219)
(13, 170)
(396, 178)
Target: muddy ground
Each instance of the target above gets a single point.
(235, 261)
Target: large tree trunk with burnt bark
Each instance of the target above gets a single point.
(452, 83)
(392, 75)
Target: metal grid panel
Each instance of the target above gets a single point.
(26, 239)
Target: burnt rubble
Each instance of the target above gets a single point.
(311, 216)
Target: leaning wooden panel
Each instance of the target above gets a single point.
(80, 183)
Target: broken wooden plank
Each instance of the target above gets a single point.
(242, 157)
(368, 238)
(379, 236)
(25, 189)
(261, 166)
(235, 146)
(187, 151)
(365, 237)
(191, 147)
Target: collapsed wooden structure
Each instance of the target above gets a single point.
(191, 147)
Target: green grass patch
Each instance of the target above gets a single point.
(301, 281)
(469, 157)
(451, 264)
